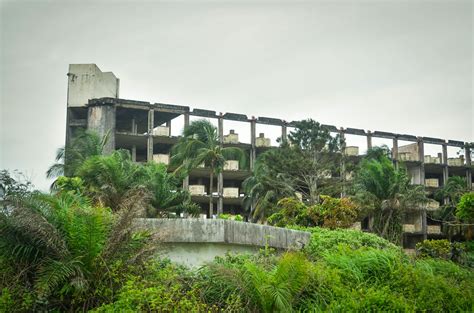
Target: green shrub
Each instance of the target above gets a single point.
(232, 217)
(331, 213)
(442, 249)
(161, 288)
(465, 207)
(364, 265)
(323, 240)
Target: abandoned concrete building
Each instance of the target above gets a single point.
(144, 129)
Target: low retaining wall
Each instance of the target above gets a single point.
(226, 231)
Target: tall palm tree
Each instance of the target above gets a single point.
(200, 145)
(68, 159)
(387, 191)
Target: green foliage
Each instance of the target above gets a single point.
(386, 192)
(237, 217)
(58, 249)
(311, 136)
(465, 207)
(331, 213)
(324, 240)
(200, 145)
(163, 288)
(434, 248)
(111, 180)
(301, 167)
(68, 159)
(442, 249)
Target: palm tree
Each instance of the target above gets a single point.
(263, 190)
(62, 247)
(387, 191)
(110, 180)
(70, 158)
(200, 145)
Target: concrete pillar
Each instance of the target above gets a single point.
(220, 176)
(151, 125)
(395, 149)
(134, 153)
(168, 124)
(369, 140)
(445, 164)
(134, 126)
(343, 161)
(467, 150)
(186, 179)
(253, 148)
(284, 135)
(421, 156)
(101, 120)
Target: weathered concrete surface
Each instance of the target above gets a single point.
(197, 254)
(226, 231)
(101, 119)
(87, 81)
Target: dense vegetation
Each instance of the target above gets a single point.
(77, 248)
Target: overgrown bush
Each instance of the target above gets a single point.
(161, 287)
(330, 213)
(442, 249)
(324, 240)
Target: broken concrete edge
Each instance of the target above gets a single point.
(194, 230)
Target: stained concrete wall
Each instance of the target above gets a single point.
(87, 81)
(226, 231)
(101, 120)
(197, 254)
(194, 242)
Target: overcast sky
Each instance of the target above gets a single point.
(400, 66)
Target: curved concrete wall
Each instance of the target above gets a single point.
(226, 231)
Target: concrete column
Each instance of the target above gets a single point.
(467, 150)
(395, 152)
(186, 179)
(168, 124)
(421, 156)
(284, 135)
(134, 153)
(253, 148)
(101, 120)
(369, 139)
(220, 176)
(134, 126)
(395, 149)
(151, 125)
(343, 161)
(445, 164)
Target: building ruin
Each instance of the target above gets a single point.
(144, 129)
